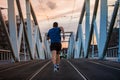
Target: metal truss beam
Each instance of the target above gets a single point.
(13, 27)
(20, 36)
(87, 26)
(71, 47)
(80, 20)
(103, 26)
(119, 34)
(24, 27)
(110, 29)
(46, 47)
(39, 38)
(92, 26)
(2, 22)
(29, 27)
(35, 20)
(79, 34)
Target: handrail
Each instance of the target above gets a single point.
(2, 50)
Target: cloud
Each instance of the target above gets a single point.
(63, 14)
(51, 5)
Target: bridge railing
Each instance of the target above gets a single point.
(111, 54)
(5, 55)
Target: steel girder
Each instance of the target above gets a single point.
(33, 41)
(102, 36)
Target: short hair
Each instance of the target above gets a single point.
(55, 24)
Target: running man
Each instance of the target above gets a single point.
(55, 46)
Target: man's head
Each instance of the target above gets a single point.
(55, 24)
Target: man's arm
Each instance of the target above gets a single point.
(62, 30)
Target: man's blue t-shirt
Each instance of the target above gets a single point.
(54, 35)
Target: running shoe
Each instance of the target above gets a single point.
(58, 67)
(55, 69)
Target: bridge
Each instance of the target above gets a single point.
(93, 52)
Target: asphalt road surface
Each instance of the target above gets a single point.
(73, 69)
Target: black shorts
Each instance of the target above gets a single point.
(55, 46)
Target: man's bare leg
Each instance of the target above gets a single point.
(58, 59)
(54, 52)
(54, 56)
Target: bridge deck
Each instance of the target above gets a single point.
(79, 69)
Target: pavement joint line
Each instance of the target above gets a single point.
(77, 71)
(104, 65)
(38, 71)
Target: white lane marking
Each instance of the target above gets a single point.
(104, 65)
(38, 71)
(77, 71)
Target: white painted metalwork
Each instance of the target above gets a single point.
(93, 46)
(80, 42)
(25, 58)
(13, 27)
(79, 34)
(71, 46)
(84, 50)
(103, 26)
(32, 38)
(20, 36)
(78, 45)
(119, 33)
(102, 38)
(29, 27)
(96, 32)
(87, 25)
(41, 51)
(47, 47)
(77, 49)
(39, 47)
(113, 19)
(24, 28)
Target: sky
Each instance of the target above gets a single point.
(65, 12)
